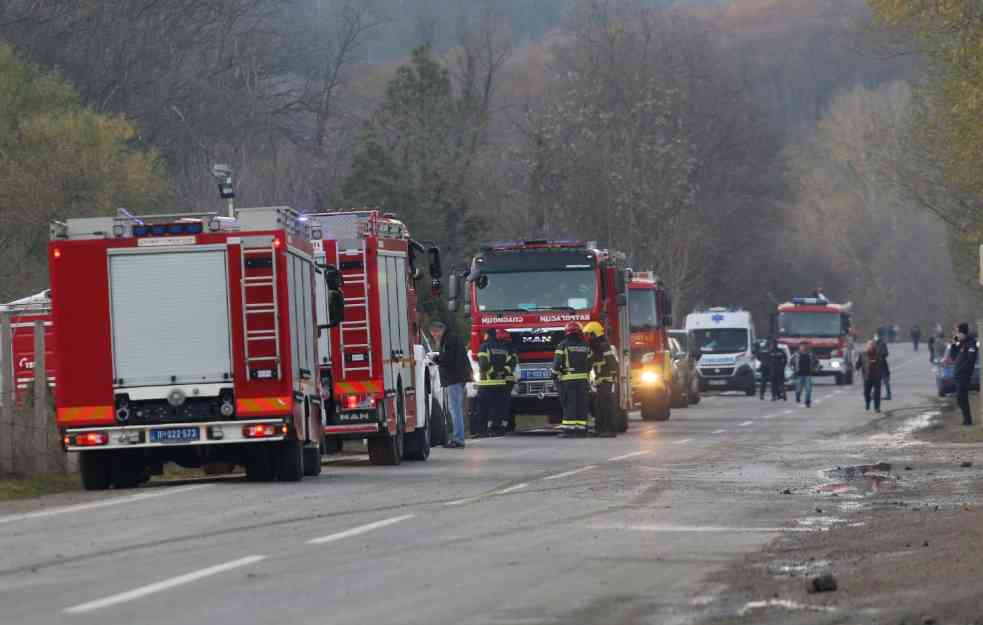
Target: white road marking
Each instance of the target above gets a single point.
(82, 507)
(361, 529)
(746, 423)
(708, 529)
(718, 431)
(789, 412)
(631, 455)
(511, 489)
(783, 603)
(684, 441)
(161, 586)
(569, 473)
(461, 502)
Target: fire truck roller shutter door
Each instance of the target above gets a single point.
(385, 296)
(175, 306)
(402, 316)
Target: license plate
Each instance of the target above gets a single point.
(174, 435)
(718, 382)
(536, 374)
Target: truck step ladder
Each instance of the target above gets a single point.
(354, 336)
(260, 320)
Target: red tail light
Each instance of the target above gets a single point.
(354, 401)
(259, 430)
(89, 439)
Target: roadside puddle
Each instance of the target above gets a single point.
(858, 480)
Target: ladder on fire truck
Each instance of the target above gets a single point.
(260, 320)
(354, 337)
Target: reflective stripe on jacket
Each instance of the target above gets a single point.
(571, 360)
(496, 364)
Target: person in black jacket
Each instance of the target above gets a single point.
(764, 357)
(571, 368)
(963, 370)
(496, 367)
(455, 372)
(604, 363)
(777, 363)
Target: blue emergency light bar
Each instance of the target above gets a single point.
(161, 230)
(809, 301)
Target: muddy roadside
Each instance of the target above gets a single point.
(899, 537)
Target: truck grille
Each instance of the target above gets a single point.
(716, 372)
(536, 340)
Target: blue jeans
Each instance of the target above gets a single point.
(803, 381)
(455, 396)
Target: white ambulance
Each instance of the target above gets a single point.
(724, 337)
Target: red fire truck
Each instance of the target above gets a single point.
(186, 338)
(649, 318)
(532, 289)
(373, 365)
(23, 314)
(823, 326)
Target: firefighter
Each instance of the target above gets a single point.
(777, 363)
(571, 367)
(604, 364)
(495, 366)
(502, 426)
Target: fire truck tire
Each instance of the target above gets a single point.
(259, 463)
(655, 408)
(438, 424)
(418, 444)
(290, 461)
(95, 468)
(312, 460)
(388, 450)
(129, 470)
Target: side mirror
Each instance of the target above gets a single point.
(621, 281)
(433, 255)
(467, 295)
(336, 308)
(622, 300)
(453, 291)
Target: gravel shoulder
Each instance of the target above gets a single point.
(902, 536)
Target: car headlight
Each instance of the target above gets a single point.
(648, 357)
(650, 378)
(835, 364)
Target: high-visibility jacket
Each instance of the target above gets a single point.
(496, 364)
(604, 360)
(571, 360)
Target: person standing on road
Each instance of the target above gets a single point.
(963, 369)
(571, 367)
(883, 367)
(777, 363)
(868, 363)
(931, 348)
(506, 341)
(765, 368)
(495, 366)
(916, 336)
(455, 372)
(604, 364)
(805, 364)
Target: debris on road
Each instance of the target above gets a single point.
(824, 583)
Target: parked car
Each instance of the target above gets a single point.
(685, 381)
(945, 381)
(789, 371)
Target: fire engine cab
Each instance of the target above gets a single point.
(186, 338)
(373, 364)
(825, 328)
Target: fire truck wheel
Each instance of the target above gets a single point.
(129, 470)
(259, 463)
(95, 469)
(418, 444)
(290, 461)
(438, 424)
(655, 407)
(312, 460)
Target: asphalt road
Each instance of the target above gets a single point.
(519, 530)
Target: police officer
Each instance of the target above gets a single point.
(495, 367)
(571, 367)
(777, 363)
(963, 370)
(604, 364)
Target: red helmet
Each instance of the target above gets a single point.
(572, 328)
(502, 335)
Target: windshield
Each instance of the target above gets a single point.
(642, 312)
(809, 324)
(538, 290)
(722, 340)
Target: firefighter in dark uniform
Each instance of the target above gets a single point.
(571, 367)
(604, 365)
(495, 367)
(777, 362)
(507, 425)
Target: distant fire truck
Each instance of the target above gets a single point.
(532, 289)
(823, 326)
(187, 338)
(374, 365)
(649, 318)
(23, 315)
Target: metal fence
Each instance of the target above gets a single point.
(30, 443)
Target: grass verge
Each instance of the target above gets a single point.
(47, 484)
